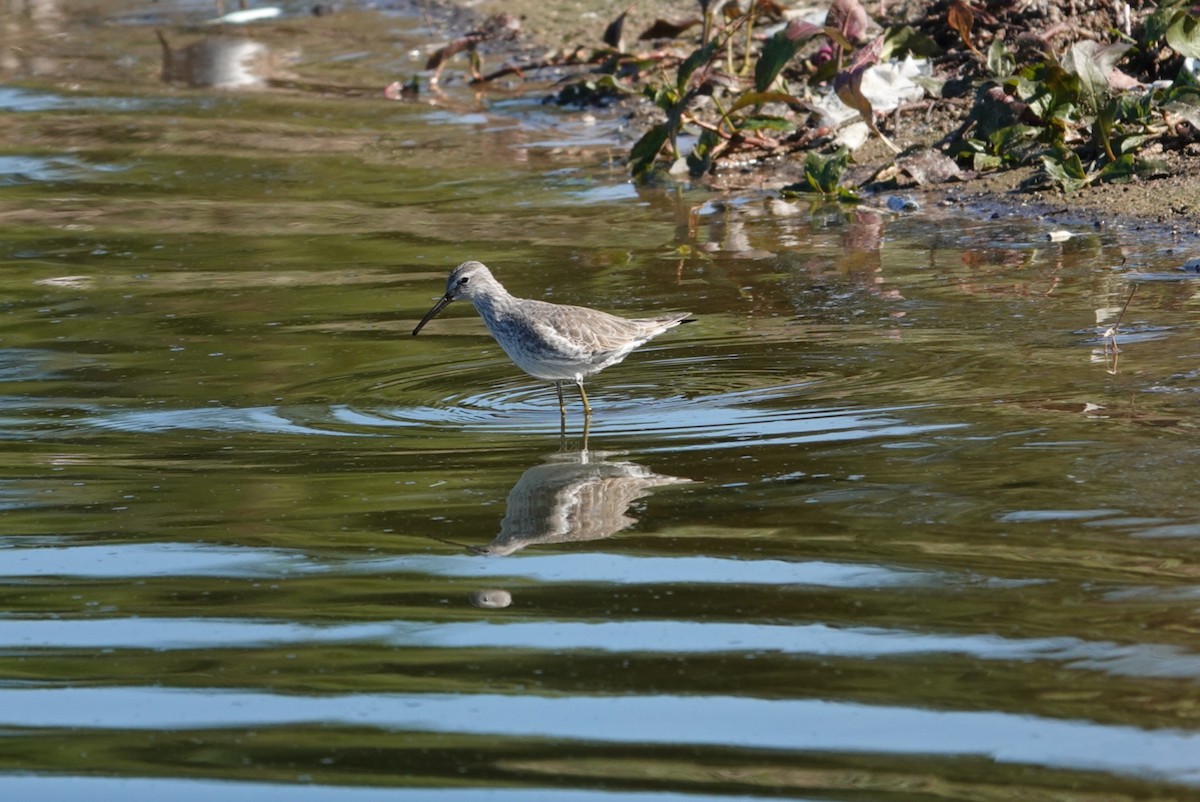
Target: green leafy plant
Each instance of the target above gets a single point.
(1064, 113)
(1177, 25)
(673, 99)
(823, 176)
(742, 93)
(755, 108)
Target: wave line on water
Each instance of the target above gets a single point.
(127, 560)
(263, 420)
(179, 789)
(721, 721)
(633, 637)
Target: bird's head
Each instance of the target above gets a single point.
(468, 280)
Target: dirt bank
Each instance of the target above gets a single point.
(1169, 201)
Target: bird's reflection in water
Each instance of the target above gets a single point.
(573, 497)
(217, 61)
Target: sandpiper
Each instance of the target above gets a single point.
(549, 341)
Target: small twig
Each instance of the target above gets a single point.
(1111, 334)
(510, 69)
(566, 60)
(739, 136)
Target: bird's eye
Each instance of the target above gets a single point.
(463, 280)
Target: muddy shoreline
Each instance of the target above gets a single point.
(1168, 203)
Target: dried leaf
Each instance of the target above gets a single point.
(665, 29)
(848, 86)
(868, 55)
(962, 19)
(798, 30)
(612, 34)
(849, 17)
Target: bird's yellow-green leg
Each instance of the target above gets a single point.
(587, 408)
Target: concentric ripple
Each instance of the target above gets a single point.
(771, 412)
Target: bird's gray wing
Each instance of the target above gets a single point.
(592, 334)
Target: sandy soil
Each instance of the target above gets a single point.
(1170, 202)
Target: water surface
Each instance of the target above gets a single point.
(890, 520)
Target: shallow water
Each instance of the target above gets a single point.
(885, 522)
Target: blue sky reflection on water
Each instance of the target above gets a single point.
(633, 637)
(766, 724)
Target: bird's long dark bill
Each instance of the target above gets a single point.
(439, 306)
